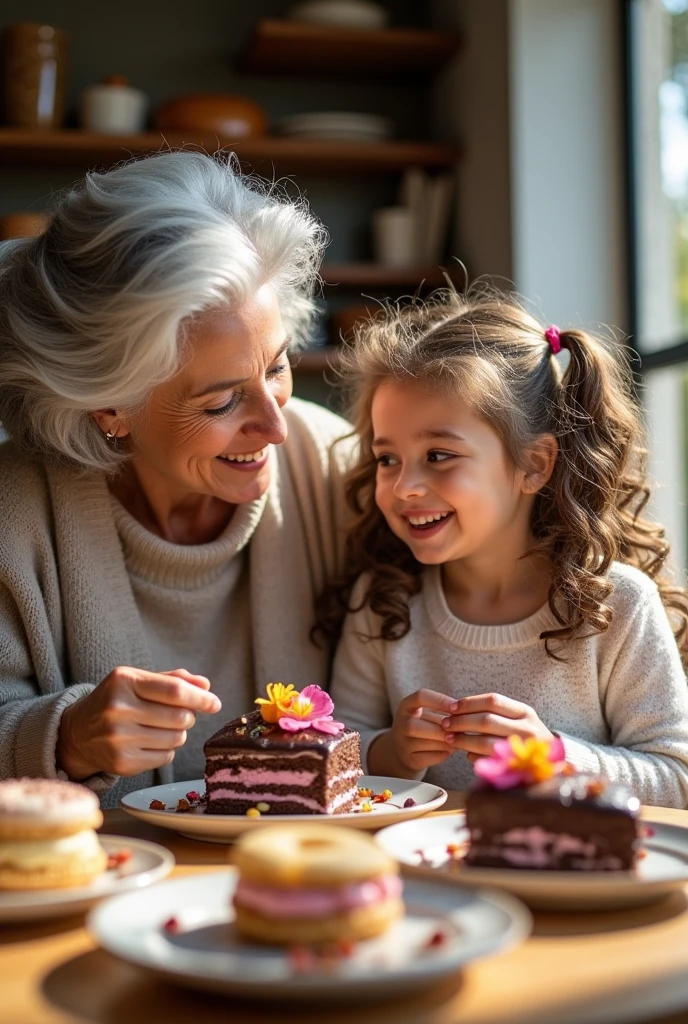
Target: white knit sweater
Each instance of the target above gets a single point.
(619, 701)
(68, 614)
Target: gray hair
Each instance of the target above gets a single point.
(93, 312)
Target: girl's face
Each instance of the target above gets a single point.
(444, 482)
(208, 431)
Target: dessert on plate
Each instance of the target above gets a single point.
(308, 884)
(47, 837)
(288, 757)
(529, 810)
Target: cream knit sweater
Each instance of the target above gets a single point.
(68, 614)
(619, 701)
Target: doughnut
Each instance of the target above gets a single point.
(311, 884)
(47, 837)
(46, 808)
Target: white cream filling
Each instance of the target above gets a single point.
(34, 854)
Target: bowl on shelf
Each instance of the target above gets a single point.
(340, 13)
(344, 126)
(231, 116)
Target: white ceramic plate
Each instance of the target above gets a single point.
(207, 954)
(222, 828)
(149, 863)
(336, 125)
(340, 13)
(663, 869)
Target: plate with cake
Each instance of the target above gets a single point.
(52, 862)
(308, 913)
(556, 838)
(288, 760)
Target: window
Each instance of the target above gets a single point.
(658, 121)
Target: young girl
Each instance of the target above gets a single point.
(500, 577)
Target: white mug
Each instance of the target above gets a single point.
(394, 236)
(113, 109)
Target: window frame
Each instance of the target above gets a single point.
(675, 353)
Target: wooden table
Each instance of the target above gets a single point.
(624, 966)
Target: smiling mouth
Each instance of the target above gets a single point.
(245, 458)
(429, 524)
(427, 521)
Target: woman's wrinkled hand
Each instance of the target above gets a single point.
(131, 722)
(475, 723)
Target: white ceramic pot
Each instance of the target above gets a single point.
(113, 108)
(394, 236)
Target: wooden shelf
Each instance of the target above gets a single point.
(315, 360)
(289, 47)
(264, 154)
(376, 276)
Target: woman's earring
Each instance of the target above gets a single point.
(110, 436)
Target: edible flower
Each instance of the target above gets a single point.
(278, 700)
(519, 761)
(310, 709)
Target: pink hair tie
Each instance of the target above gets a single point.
(554, 338)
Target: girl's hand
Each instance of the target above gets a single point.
(418, 735)
(476, 722)
(131, 722)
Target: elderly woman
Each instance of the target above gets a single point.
(168, 513)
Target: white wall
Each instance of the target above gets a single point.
(566, 89)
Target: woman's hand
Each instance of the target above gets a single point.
(476, 722)
(131, 722)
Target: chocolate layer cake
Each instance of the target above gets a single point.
(251, 761)
(565, 823)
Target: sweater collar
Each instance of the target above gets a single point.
(184, 566)
(469, 636)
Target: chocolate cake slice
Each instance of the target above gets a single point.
(250, 761)
(568, 822)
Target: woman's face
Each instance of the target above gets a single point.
(209, 429)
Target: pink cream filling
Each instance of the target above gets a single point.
(541, 847)
(316, 902)
(275, 798)
(261, 776)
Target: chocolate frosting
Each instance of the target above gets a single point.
(252, 732)
(567, 790)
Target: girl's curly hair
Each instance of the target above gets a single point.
(488, 349)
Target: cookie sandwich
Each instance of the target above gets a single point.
(310, 884)
(47, 837)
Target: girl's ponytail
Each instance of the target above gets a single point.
(598, 492)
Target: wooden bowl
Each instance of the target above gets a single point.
(222, 114)
(23, 225)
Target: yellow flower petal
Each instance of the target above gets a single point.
(279, 700)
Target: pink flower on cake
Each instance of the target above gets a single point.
(310, 709)
(521, 762)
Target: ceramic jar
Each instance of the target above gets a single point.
(113, 107)
(33, 70)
